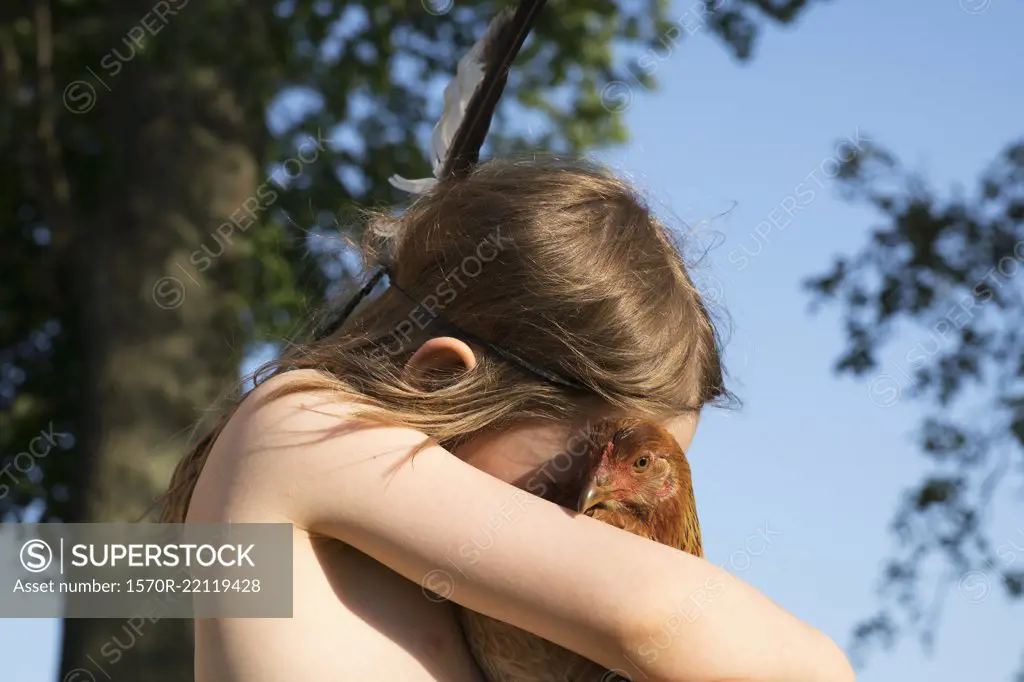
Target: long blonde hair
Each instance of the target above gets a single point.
(560, 263)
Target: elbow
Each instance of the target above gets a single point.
(839, 668)
(822, 661)
(646, 646)
(709, 650)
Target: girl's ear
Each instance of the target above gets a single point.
(440, 353)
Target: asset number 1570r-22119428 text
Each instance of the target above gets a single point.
(193, 585)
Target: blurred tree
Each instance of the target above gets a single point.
(954, 268)
(156, 218)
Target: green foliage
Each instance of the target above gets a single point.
(952, 270)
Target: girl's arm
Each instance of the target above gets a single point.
(626, 602)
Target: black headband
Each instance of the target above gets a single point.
(518, 360)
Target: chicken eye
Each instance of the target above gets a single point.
(641, 462)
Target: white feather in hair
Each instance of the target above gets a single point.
(457, 94)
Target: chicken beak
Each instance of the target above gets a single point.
(593, 495)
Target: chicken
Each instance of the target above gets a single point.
(636, 478)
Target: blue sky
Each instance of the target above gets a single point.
(811, 458)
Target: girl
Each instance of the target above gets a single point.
(523, 302)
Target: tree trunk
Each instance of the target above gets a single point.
(159, 333)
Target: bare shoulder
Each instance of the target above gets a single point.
(290, 433)
(290, 395)
(302, 413)
(278, 416)
(251, 467)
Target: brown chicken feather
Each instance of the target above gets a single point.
(638, 479)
